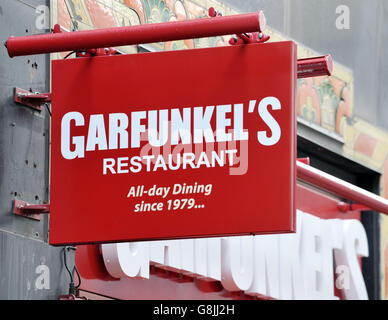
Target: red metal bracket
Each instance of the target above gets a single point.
(304, 160)
(30, 99)
(246, 38)
(350, 206)
(97, 52)
(214, 13)
(32, 211)
(59, 29)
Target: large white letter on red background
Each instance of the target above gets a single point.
(124, 260)
(286, 266)
(237, 263)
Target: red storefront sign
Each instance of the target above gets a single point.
(177, 144)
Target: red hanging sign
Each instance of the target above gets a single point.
(177, 144)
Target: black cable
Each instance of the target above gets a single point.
(78, 276)
(69, 54)
(65, 262)
(73, 289)
(48, 109)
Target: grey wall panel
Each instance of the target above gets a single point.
(355, 48)
(24, 165)
(23, 132)
(30, 269)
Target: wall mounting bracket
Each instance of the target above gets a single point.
(31, 211)
(34, 100)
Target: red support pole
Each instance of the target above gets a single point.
(341, 188)
(132, 35)
(314, 67)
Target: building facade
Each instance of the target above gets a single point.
(342, 128)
